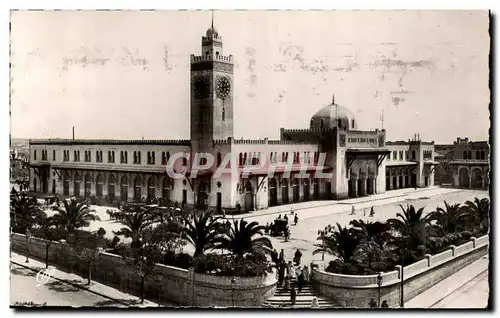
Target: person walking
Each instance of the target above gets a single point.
(296, 219)
(287, 284)
(315, 303)
(286, 218)
(353, 210)
(372, 212)
(305, 274)
(372, 303)
(281, 272)
(384, 304)
(282, 256)
(290, 270)
(300, 280)
(298, 255)
(293, 296)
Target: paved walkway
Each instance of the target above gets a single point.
(104, 295)
(372, 200)
(467, 288)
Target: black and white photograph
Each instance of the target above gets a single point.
(272, 159)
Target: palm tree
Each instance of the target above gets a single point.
(74, 214)
(411, 225)
(478, 211)
(135, 219)
(48, 232)
(449, 219)
(240, 239)
(341, 243)
(371, 231)
(24, 212)
(202, 231)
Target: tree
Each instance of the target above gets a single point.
(341, 243)
(88, 247)
(371, 231)
(412, 225)
(142, 258)
(135, 220)
(167, 236)
(25, 212)
(240, 239)
(202, 231)
(48, 232)
(74, 214)
(449, 219)
(478, 211)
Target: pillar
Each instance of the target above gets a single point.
(470, 178)
(355, 188)
(362, 190)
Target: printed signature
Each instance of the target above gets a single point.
(43, 276)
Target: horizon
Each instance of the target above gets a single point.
(132, 82)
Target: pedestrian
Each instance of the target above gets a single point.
(281, 272)
(287, 234)
(266, 229)
(282, 256)
(315, 303)
(353, 210)
(296, 219)
(372, 303)
(224, 213)
(287, 284)
(364, 212)
(298, 255)
(279, 217)
(305, 274)
(293, 296)
(372, 212)
(286, 218)
(300, 280)
(384, 304)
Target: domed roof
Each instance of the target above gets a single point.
(333, 115)
(212, 32)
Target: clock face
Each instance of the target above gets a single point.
(223, 87)
(202, 87)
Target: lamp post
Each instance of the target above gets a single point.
(28, 236)
(402, 303)
(233, 280)
(379, 283)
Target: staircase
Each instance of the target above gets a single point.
(281, 298)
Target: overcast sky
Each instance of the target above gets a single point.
(126, 74)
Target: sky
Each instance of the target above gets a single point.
(125, 75)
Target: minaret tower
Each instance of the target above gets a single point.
(211, 92)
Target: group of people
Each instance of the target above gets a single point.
(280, 226)
(372, 211)
(288, 271)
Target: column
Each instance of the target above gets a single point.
(355, 188)
(362, 191)
(470, 179)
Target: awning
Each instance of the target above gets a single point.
(116, 168)
(40, 164)
(286, 169)
(400, 163)
(367, 151)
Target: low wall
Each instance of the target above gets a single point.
(356, 291)
(167, 285)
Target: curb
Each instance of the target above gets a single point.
(77, 286)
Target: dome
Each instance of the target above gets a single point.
(212, 32)
(333, 115)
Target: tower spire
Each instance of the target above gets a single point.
(212, 19)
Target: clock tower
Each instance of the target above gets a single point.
(211, 93)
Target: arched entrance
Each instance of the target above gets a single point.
(369, 186)
(296, 190)
(316, 189)
(401, 181)
(463, 177)
(248, 196)
(53, 186)
(76, 185)
(151, 188)
(65, 183)
(361, 187)
(111, 187)
(124, 189)
(273, 192)
(137, 189)
(98, 186)
(284, 191)
(306, 190)
(88, 185)
(328, 186)
(165, 192)
(477, 178)
(202, 196)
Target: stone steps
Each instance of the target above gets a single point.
(281, 298)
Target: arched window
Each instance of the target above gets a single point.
(465, 154)
(245, 158)
(339, 125)
(153, 157)
(98, 186)
(470, 155)
(482, 155)
(241, 159)
(138, 157)
(111, 187)
(321, 123)
(34, 154)
(353, 123)
(137, 189)
(477, 155)
(88, 184)
(282, 157)
(151, 188)
(124, 188)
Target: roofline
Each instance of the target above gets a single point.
(183, 142)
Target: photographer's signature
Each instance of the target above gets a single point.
(43, 276)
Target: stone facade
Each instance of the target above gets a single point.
(167, 285)
(356, 291)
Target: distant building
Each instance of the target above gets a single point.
(127, 170)
(464, 164)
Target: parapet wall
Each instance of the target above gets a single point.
(168, 285)
(356, 291)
